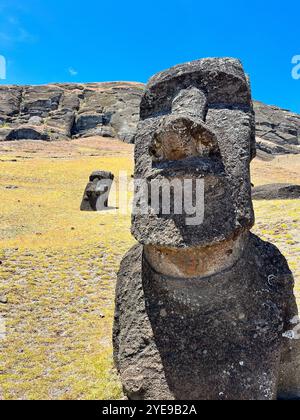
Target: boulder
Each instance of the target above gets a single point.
(61, 124)
(276, 192)
(27, 133)
(35, 121)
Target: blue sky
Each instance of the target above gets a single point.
(70, 41)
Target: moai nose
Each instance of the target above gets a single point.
(183, 133)
(192, 102)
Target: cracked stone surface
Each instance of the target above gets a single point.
(203, 311)
(61, 111)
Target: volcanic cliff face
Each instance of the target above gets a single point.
(64, 111)
(277, 130)
(61, 111)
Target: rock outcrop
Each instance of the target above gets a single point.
(204, 308)
(276, 192)
(277, 130)
(62, 111)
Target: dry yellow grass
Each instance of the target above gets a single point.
(282, 169)
(278, 221)
(58, 273)
(59, 265)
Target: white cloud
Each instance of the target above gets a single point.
(72, 72)
(14, 33)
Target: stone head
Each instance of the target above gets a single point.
(96, 193)
(196, 123)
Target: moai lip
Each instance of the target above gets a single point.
(204, 311)
(180, 137)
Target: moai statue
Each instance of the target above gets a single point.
(96, 193)
(203, 306)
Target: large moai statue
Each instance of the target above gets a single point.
(204, 308)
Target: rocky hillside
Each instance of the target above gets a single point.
(63, 111)
(277, 130)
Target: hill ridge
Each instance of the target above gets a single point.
(58, 111)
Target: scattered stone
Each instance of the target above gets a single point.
(203, 305)
(276, 192)
(35, 120)
(97, 191)
(3, 299)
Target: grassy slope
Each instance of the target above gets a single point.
(278, 221)
(59, 265)
(58, 272)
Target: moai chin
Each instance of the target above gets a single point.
(202, 309)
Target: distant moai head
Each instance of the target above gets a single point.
(197, 130)
(96, 193)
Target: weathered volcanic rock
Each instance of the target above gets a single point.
(40, 100)
(289, 380)
(27, 133)
(62, 111)
(165, 327)
(112, 110)
(10, 100)
(222, 131)
(277, 130)
(96, 193)
(276, 192)
(205, 310)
